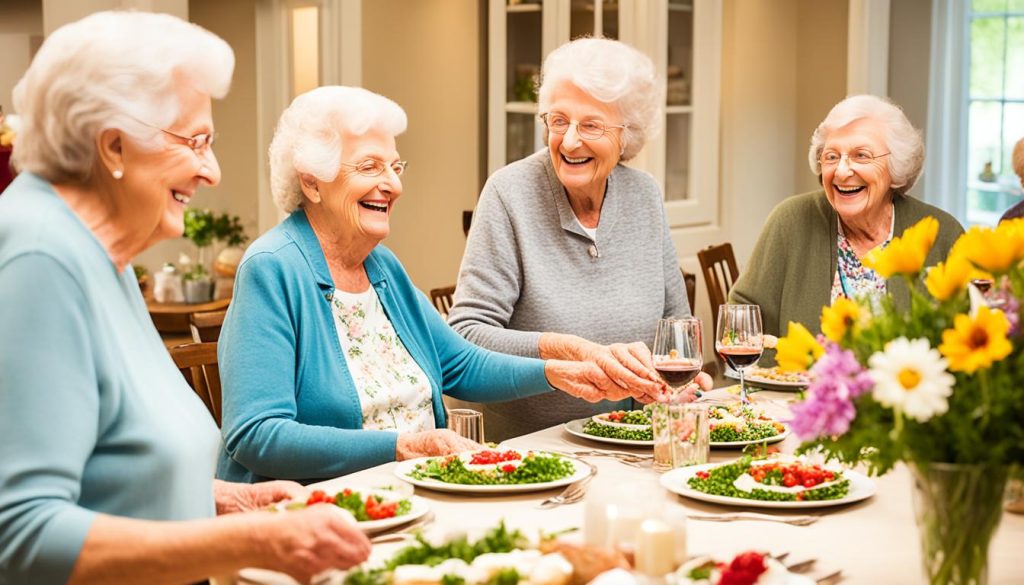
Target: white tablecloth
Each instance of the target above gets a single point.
(874, 541)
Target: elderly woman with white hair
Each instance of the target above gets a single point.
(106, 455)
(332, 361)
(570, 255)
(867, 157)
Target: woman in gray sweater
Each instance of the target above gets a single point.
(570, 255)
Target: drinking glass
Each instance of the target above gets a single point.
(677, 351)
(467, 422)
(681, 434)
(739, 340)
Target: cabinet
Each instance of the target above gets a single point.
(682, 37)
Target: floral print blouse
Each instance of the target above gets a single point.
(853, 279)
(394, 392)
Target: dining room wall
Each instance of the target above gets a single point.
(426, 56)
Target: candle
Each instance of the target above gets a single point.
(655, 548)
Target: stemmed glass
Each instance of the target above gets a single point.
(677, 351)
(739, 340)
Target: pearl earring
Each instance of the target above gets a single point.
(118, 174)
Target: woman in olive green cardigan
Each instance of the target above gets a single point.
(867, 156)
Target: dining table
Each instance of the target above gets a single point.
(871, 541)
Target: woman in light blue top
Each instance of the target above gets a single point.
(332, 361)
(106, 454)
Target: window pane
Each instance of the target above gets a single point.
(305, 49)
(581, 19)
(988, 5)
(1016, 6)
(610, 19)
(523, 54)
(1015, 59)
(520, 136)
(983, 144)
(680, 54)
(677, 157)
(987, 43)
(1013, 130)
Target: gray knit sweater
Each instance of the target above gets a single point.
(530, 268)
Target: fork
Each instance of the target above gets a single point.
(405, 532)
(573, 493)
(620, 455)
(792, 520)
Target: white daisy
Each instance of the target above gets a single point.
(911, 376)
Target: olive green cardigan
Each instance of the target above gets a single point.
(791, 270)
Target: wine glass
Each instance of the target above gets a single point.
(739, 340)
(677, 351)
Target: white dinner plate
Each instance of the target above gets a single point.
(675, 481)
(418, 509)
(575, 428)
(404, 468)
(766, 383)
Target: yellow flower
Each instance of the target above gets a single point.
(950, 277)
(838, 319)
(992, 250)
(905, 254)
(798, 350)
(976, 343)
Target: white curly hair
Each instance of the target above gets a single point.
(906, 147)
(309, 136)
(614, 73)
(110, 70)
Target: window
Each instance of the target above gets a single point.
(994, 107)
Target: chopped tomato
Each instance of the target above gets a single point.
(508, 468)
(493, 457)
(319, 497)
(788, 480)
(702, 475)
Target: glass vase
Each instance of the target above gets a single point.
(958, 508)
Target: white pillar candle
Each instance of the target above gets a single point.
(655, 548)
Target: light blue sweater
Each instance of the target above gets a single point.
(291, 409)
(94, 416)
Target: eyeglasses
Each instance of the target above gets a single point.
(588, 129)
(372, 167)
(831, 158)
(198, 143)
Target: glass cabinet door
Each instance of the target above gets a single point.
(593, 18)
(523, 54)
(678, 99)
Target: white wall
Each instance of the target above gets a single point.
(21, 29)
(425, 55)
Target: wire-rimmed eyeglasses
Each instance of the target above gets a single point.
(587, 129)
(831, 158)
(373, 167)
(198, 143)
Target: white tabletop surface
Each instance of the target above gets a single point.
(874, 541)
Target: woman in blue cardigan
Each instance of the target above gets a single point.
(331, 360)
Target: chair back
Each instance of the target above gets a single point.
(198, 364)
(690, 280)
(442, 298)
(206, 325)
(718, 264)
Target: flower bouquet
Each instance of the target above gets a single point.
(939, 386)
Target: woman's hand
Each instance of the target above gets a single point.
(304, 543)
(243, 497)
(431, 444)
(628, 365)
(583, 380)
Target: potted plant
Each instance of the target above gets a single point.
(200, 227)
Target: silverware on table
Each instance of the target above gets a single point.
(627, 458)
(734, 516)
(573, 492)
(831, 578)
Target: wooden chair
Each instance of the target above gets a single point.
(206, 325)
(718, 264)
(442, 298)
(198, 364)
(690, 280)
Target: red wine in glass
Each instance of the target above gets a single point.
(677, 373)
(739, 357)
